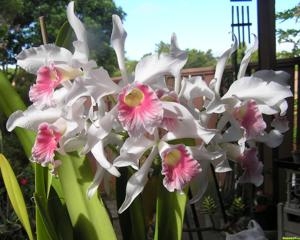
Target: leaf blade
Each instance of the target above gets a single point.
(15, 194)
(169, 205)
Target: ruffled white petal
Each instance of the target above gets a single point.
(32, 118)
(32, 59)
(262, 91)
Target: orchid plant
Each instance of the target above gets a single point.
(147, 123)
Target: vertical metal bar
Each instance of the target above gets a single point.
(238, 24)
(195, 216)
(219, 194)
(243, 27)
(248, 21)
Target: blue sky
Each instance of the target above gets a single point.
(198, 24)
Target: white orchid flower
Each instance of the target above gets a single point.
(216, 157)
(179, 167)
(139, 109)
(56, 109)
(54, 65)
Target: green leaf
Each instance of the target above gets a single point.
(89, 218)
(185, 141)
(65, 36)
(149, 196)
(10, 102)
(132, 221)
(124, 218)
(15, 194)
(44, 216)
(170, 207)
(59, 216)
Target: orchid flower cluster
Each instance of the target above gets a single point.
(70, 113)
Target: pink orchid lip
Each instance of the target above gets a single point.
(252, 167)
(45, 144)
(140, 110)
(49, 78)
(250, 119)
(178, 167)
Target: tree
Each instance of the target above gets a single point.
(289, 35)
(196, 58)
(23, 29)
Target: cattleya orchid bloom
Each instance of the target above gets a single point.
(69, 113)
(139, 109)
(54, 65)
(62, 125)
(49, 78)
(178, 166)
(46, 143)
(252, 167)
(250, 119)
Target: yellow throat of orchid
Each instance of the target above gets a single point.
(240, 113)
(167, 99)
(172, 157)
(134, 98)
(69, 73)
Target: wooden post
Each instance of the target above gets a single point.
(43, 30)
(266, 33)
(267, 60)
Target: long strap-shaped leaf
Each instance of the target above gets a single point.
(89, 217)
(15, 194)
(132, 220)
(86, 215)
(170, 209)
(10, 102)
